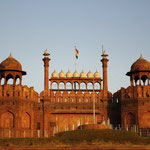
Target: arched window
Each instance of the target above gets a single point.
(89, 85)
(96, 86)
(61, 85)
(17, 78)
(54, 85)
(76, 85)
(68, 85)
(144, 79)
(82, 85)
(2, 81)
(9, 79)
(136, 79)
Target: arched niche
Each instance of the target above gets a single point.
(87, 97)
(131, 120)
(58, 97)
(79, 97)
(68, 85)
(26, 121)
(7, 120)
(83, 85)
(65, 97)
(72, 97)
(94, 97)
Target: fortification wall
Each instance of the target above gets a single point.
(18, 91)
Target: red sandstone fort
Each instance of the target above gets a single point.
(71, 101)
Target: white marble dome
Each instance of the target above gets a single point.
(97, 74)
(83, 74)
(61, 74)
(90, 74)
(68, 74)
(76, 74)
(55, 74)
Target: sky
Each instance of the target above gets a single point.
(28, 27)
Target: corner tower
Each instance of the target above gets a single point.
(104, 61)
(46, 60)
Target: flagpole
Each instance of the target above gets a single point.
(93, 103)
(102, 50)
(75, 65)
(75, 62)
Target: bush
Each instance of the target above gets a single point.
(80, 137)
(106, 135)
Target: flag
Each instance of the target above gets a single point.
(76, 53)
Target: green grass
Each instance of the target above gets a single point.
(80, 137)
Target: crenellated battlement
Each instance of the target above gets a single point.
(18, 91)
(73, 97)
(133, 92)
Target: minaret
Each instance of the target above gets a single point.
(46, 60)
(104, 61)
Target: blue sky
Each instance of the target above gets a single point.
(28, 27)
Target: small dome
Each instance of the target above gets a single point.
(90, 74)
(61, 74)
(55, 74)
(83, 74)
(140, 65)
(10, 63)
(76, 74)
(68, 74)
(96, 74)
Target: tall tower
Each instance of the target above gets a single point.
(104, 61)
(46, 60)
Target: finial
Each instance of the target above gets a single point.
(141, 57)
(46, 53)
(104, 55)
(10, 56)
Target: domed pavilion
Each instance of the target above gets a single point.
(140, 71)
(10, 68)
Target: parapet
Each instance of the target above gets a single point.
(18, 91)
